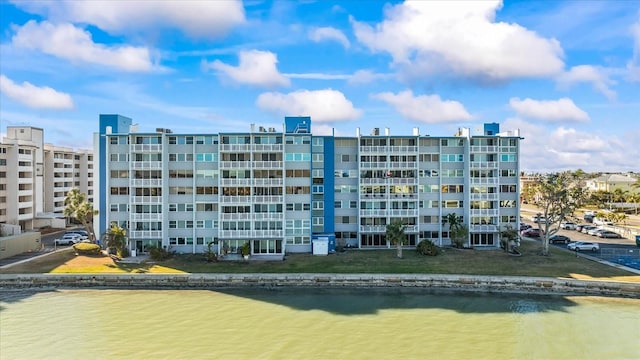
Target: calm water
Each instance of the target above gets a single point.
(313, 324)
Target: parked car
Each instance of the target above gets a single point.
(524, 226)
(559, 239)
(68, 239)
(580, 226)
(585, 229)
(533, 232)
(594, 232)
(84, 235)
(609, 234)
(583, 245)
(567, 225)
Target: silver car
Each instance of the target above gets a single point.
(68, 239)
(583, 245)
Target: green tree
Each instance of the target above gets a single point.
(117, 239)
(559, 195)
(77, 206)
(458, 232)
(508, 238)
(396, 236)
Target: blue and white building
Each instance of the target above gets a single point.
(280, 190)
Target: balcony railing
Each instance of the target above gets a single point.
(483, 181)
(484, 149)
(146, 165)
(484, 212)
(483, 228)
(146, 182)
(251, 234)
(483, 165)
(486, 197)
(145, 234)
(145, 148)
(146, 199)
(145, 217)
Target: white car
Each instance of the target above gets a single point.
(583, 245)
(568, 225)
(68, 239)
(594, 232)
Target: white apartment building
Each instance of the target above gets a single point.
(35, 177)
(279, 191)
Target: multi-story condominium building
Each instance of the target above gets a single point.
(281, 190)
(35, 177)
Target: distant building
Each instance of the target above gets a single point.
(35, 177)
(279, 190)
(612, 182)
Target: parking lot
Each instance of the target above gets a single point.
(622, 251)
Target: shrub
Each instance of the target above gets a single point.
(87, 249)
(158, 253)
(427, 247)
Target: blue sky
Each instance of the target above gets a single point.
(566, 73)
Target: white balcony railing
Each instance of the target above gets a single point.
(235, 199)
(145, 148)
(252, 234)
(145, 217)
(145, 234)
(146, 199)
(483, 228)
(267, 164)
(484, 149)
(146, 165)
(146, 182)
(484, 212)
(486, 197)
(483, 181)
(484, 165)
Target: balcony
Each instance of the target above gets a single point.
(235, 182)
(146, 199)
(146, 165)
(145, 234)
(403, 213)
(267, 164)
(483, 181)
(234, 147)
(484, 212)
(486, 197)
(267, 147)
(373, 149)
(403, 165)
(235, 165)
(235, 199)
(146, 182)
(374, 165)
(235, 216)
(403, 149)
(250, 234)
(145, 217)
(483, 164)
(373, 213)
(484, 149)
(145, 148)
(268, 182)
(487, 228)
(268, 199)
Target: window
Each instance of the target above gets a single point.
(508, 157)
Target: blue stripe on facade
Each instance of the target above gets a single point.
(329, 184)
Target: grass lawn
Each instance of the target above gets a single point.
(559, 263)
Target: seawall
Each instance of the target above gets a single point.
(506, 284)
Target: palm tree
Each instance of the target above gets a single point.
(116, 239)
(457, 231)
(77, 206)
(396, 236)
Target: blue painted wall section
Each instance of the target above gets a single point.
(297, 124)
(118, 123)
(329, 184)
(491, 128)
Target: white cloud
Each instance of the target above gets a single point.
(546, 149)
(633, 66)
(199, 19)
(34, 96)
(76, 45)
(255, 68)
(460, 40)
(562, 109)
(322, 105)
(367, 76)
(429, 109)
(329, 34)
(597, 76)
(318, 76)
